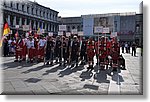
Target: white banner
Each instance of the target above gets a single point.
(60, 33)
(106, 30)
(74, 31)
(98, 29)
(62, 28)
(50, 34)
(25, 27)
(80, 33)
(113, 34)
(17, 26)
(68, 34)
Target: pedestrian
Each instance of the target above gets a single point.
(122, 47)
(129, 45)
(134, 49)
(5, 47)
(126, 47)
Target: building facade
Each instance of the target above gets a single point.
(24, 12)
(129, 26)
(72, 23)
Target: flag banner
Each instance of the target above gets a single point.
(98, 29)
(113, 34)
(106, 30)
(25, 27)
(62, 28)
(74, 31)
(68, 34)
(60, 33)
(6, 29)
(50, 34)
(80, 33)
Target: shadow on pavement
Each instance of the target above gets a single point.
(86, 75)
(68, 71)
(32, 80)
(101, 77)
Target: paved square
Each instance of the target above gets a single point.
(25, 78)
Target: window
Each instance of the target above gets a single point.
(32, 11)
(44, 14)
(11, 4)
(36, 12)
(73, 27)
(17, 6)
(27, 9)
(23, 8)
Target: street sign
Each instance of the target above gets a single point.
(25, 27)
(17, 26)
(113, 34)
(98, 29)
(50, 34)
(106, 30)
(80, 33)
(62, 28)
(60, 33)
(68, 34)
(74, 31)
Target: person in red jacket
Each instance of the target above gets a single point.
(19, 49)
(90, 53)
(24, 50)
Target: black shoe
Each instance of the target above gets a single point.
(31, 61)
(15, 60)
(47, 63)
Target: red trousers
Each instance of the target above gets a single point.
(31, 53)
(18, 53)
(24, 51)
(41, 52)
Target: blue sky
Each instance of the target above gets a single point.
(71, 8)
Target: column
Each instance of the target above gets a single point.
(14, 21)
(51, 27)
(25, 22)
(20, 21)
(34, 25)
(42, 25)
(48, 27)
(8, 20)
(38, 25)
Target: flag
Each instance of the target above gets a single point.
(6, 29)
(39, 30)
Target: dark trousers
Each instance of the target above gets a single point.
(83, 55)
(74, 56)
(133, 51)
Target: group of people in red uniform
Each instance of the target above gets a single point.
(67, 50)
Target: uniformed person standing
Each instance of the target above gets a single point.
(41, 45)
(75, 51)
(19, 48)
(90, 53)
(83, 53)
(58, 50)
(49, 48)
(30, 47)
